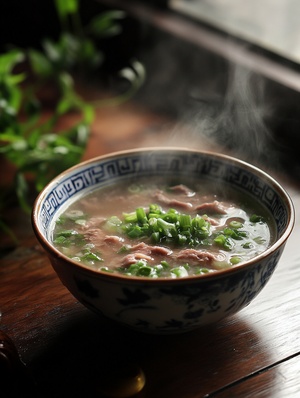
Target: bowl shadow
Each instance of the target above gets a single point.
(86, 352)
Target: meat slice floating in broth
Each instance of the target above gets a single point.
(157, 228)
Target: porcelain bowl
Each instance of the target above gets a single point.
(164, 305)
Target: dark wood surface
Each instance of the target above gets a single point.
(65, 350)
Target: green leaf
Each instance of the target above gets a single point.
(9, 137)
(104, 24)
(40, 64)
(66, 7)
(135, 76)
(9, 60)
(64, 106)
(34, 137)
(6, 108)
(34, 144)
(22, 191)
(89, 55)
(66, 84)
(15, 98)
(88, 113)
(52, 50)
(82, 132)
(15, 79)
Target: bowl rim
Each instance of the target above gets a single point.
(50, 248)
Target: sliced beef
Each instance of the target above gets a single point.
(113, 240)
(182, 189)
(163, 199)
(142, 251)
(98, 238)
(151, 250)
(133, 258)
(211, 220)
(196, 256)
(214, 207)
(95, 236)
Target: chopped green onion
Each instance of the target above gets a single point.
(67, 233)
(224, 241)
(182, 239)
(170, 227)
(255, 218)
(106, 269)
(89, 256)
(200, 271)
(166, 228)
(155, 209)
(161, 227)
(130, 217)
(135, 232)
(235, 224)
(59, 240)
(248, 245)
(114, 221)
(135, 188)
(179, 272)
(144, 271)
(185, 221)
(235, 234)
(80, 221)
(141, 216)
(124, 249)
(155, 237)
(235, 260)
(68, 237)
(165, 264)
(259, 240)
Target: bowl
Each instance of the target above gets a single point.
(164, 305)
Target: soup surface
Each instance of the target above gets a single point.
(157, 229)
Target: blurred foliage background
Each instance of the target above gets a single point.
(48, 50)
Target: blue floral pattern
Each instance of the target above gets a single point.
(185, 306)
(180, 162)
(168, 307)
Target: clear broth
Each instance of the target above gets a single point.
(93, 231)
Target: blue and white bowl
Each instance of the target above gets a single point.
(164, 305)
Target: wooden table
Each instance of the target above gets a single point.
(66, 348)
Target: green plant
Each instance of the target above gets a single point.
(30, 143)
(35, 146)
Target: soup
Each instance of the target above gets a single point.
(156, 229)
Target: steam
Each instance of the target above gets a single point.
(216, 104)
(237, 122)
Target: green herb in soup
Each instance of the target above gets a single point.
(157, 231)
